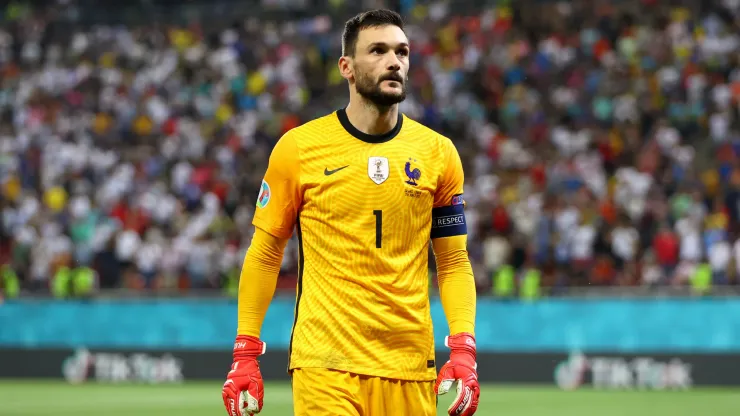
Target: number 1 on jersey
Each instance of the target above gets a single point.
(378, 228)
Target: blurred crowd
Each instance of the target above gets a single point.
(600, 139)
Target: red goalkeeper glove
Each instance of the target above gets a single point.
(461, 368)
(243, 390)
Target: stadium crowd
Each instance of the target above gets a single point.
(600, 139)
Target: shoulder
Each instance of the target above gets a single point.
(299, 138)
(427, 135)
(314, 130)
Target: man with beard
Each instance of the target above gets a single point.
(365, 188)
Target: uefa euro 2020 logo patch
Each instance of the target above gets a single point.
(264, 196)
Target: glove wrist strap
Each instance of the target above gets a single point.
(246, 346)
(462, 343)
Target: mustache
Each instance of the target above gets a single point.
(394, 76)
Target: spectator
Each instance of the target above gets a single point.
(689, 231)
(652, 274)
(582, 243)
(666, 246)
(720, 254)
(624, 242)
(496, 253)
(138, 147)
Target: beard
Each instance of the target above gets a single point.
(370, 89)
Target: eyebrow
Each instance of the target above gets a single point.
(376, 44)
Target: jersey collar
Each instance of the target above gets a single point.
(369, 138)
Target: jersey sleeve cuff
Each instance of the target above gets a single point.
(279, 232)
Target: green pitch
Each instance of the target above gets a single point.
(41, 398)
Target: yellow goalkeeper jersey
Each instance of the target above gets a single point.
(364, 208)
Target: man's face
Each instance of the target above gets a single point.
(381, 64)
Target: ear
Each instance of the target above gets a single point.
(345, 68)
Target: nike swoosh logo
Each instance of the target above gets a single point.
(328, 172)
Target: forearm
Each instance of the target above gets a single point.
(456, 283)
(258, 280)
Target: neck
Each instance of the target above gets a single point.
(371, 119)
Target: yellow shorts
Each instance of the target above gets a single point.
(323, 392)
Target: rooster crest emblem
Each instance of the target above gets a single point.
(413, 175)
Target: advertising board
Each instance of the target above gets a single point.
(567, 371)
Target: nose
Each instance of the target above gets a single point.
(393, 63)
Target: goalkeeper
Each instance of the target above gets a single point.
(365, 189)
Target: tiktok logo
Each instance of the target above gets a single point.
(569, 374)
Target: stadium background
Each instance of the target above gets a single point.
(600, 141)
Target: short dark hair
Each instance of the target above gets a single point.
(372, 18)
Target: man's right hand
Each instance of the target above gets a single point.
(243, 390)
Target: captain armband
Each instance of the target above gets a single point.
(448, 221)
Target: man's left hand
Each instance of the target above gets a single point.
(461, 368)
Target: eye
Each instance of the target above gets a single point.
(403, 52)
(377, 51)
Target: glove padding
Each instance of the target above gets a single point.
(461, 368)
(243, 391)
